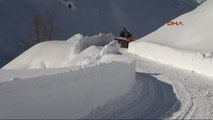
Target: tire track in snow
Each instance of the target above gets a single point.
(185, 102)
(194, 91)
(201, 92)
(188, 105)
(149, 98)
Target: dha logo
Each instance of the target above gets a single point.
(174, 23)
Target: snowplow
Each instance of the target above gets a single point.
(125, 38)
(124, 41)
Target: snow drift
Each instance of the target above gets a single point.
(77, 51)
(188, 46)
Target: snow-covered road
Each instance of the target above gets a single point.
(194, 91)
(149, 98)
(162, 92)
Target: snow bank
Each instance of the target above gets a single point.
(56, 54)
(201, 62)
(188, 46)
(111, 48)
(94, 55)
(72, 94)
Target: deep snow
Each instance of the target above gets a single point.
(66, 94)
(92, 77)
(77, 51)
(160, 91)
(187, 46)
(65, 79)
(195, 34)
(193, 91)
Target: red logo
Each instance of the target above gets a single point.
(174, 23)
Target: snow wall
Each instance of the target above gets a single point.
(71, 94)
(188, 46)
(201, 62)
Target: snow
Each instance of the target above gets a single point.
(11, 74)
(187, 46)
(194, 35)
(193, 91)
(76, 51)
(65, 79)
(107, 91)
(112, 47)
(161, 92)
(66, 94)
(91, 77)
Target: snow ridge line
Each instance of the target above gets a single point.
(44, 83)
(48, 72)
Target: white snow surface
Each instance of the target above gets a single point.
(101, 92)
(91, 77)
(62, 93)
(161, 92)
(65, 79)
(106, 91)
(191, 92)
(195, 34)
(188, 46)
(77, 51)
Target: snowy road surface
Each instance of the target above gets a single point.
(162, 92)
(149, 98)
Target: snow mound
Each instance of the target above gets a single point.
(76, 51)
(112, 48)
(94, 55)
(188, 46)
